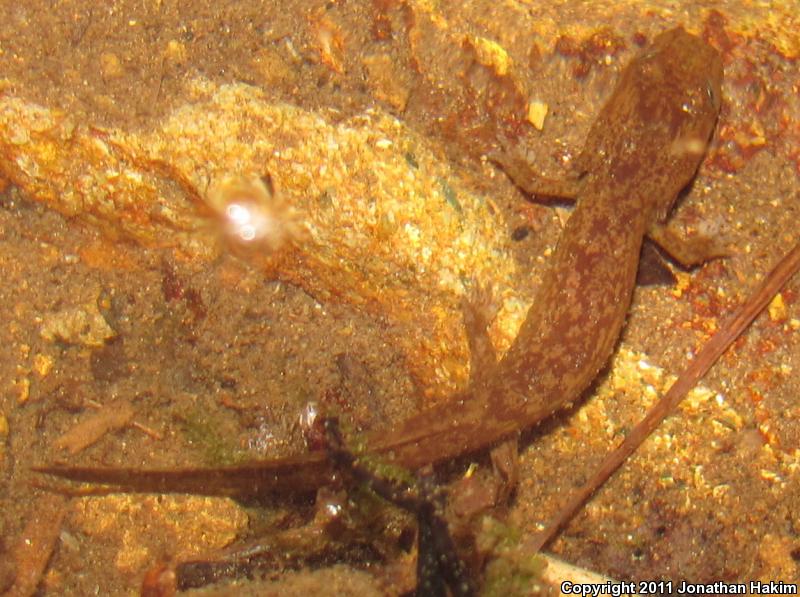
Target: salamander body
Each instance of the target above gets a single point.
(642, 150)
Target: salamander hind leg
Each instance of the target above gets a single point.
(479, 309)
(505, 464)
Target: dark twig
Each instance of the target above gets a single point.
(438, 565)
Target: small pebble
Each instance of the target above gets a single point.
(110, 66)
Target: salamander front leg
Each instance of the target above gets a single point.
(688, 251)
(526, 178)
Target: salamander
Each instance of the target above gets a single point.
(643, 148)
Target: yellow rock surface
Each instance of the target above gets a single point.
(361, 211)
(183, 526)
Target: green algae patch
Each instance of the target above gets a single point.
(205, 433)
(513, 569)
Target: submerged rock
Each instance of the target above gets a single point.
(362, 211)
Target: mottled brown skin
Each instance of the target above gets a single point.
(644, 147)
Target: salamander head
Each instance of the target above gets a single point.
(679, 96)
(652, 133)
(680, 80)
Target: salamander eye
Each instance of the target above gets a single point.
(711, 95)
(649, 54)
